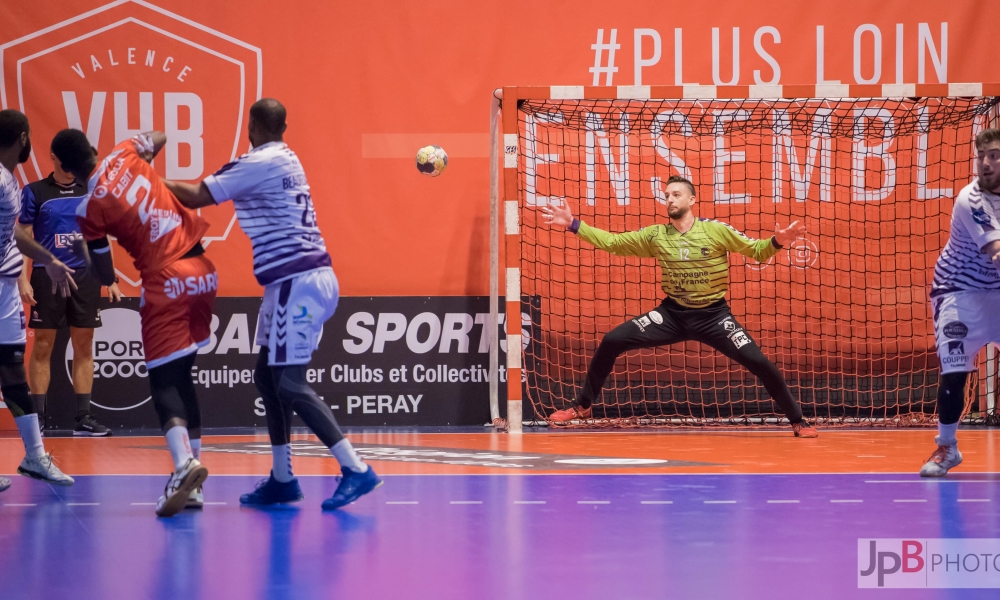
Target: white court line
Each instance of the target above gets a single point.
(529, 501)
(466, 502)
(782, 501)
(870, 456)
(657, 502)
(934, 480)
(847, 501)
(593, 502)
(20, 504)
(215, 503)
(144, 504)
(720, 501)
(402, 502)
(973, 499)
(83, 504)
(910, 500)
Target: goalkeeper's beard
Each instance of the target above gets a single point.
(678, 213)
(989, 182)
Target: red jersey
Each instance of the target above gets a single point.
(128, 200)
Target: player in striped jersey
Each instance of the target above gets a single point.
(271, 194)
(694, 262)
(15, 148)
(965, 296)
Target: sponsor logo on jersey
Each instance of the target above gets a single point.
(980, 216)
(956, 330)
(642, 322)
(656, 317)
(190, 286)
(728, 324)
(705, 251)
(956, 348)
(301, 316)
(63, 240)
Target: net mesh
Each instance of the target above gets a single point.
(843, 313)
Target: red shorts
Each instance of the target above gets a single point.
(176, 309)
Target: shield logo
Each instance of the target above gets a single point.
(128, 67)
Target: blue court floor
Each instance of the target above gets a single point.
(442, 537)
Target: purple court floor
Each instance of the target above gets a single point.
(465, 536)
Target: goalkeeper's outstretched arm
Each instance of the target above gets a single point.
(632, 243)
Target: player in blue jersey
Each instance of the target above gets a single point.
(15, 148)
(48, 214)
(269, 190)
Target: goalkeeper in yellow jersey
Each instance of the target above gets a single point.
(693, 255)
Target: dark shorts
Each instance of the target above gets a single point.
(52, 311)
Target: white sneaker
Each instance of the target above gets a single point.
(179, 488)
(42, 468)
(196, 499)
(943, 459)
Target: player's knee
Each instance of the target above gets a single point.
(615, 340)
(42, 348)
(951, 397)
(83, 347)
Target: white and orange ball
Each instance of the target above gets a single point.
(432, 160)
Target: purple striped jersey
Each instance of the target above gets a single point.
(269, 190)
(962, 265)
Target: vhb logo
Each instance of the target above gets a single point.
(129, 67)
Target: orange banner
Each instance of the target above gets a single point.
(367, 84)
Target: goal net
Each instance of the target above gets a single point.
(843, 313)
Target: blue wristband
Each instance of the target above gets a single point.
(574, 226)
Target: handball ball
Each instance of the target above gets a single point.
(432, 160)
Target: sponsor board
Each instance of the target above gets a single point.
(381, 361)
(514, 461)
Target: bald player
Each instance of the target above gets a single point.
(274, 205)
(693, 255)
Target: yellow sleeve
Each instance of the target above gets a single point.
(631, 243)
(734, 241)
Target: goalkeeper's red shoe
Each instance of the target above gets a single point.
(804, 430)
(568, 414)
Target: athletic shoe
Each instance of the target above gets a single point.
(196, 499)
(271, 491)
(804, 430)
(87, 426)
(4, 483)
(44, 469)
(574, 412)
(352, 486)
(179, 487)
(943, 459)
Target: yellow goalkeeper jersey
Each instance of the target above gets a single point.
(694, 265)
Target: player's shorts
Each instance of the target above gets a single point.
(11, 313)
(291, 318)
(52, 311)
(964, 322)
(176, 309)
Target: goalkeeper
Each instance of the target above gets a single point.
(693, 255)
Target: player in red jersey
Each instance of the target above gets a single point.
(127, 199)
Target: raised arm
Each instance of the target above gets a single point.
(632, 243)
(759, 250)
(191, 195)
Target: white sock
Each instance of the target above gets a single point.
(948, 434)
(347, 457)
(281, 463)
(28, 426)
(180, 445)
(196, 448)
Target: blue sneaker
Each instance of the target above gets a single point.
(271, 491)
(352, 486)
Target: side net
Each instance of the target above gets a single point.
(843, 313)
